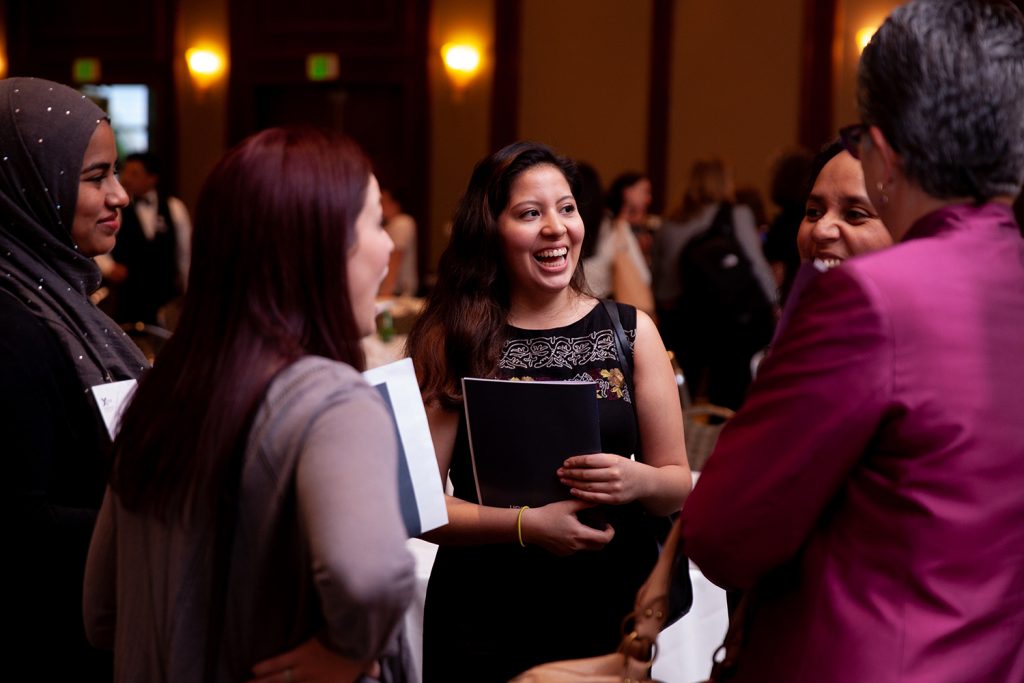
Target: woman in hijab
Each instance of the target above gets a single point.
(61, 205)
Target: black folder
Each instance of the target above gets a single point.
(520, 433)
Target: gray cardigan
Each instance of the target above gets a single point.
(319, 547)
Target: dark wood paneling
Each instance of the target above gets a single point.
(380, 25)
(817, 67)
(379, 99)
(507, 57)
(132, 39)
(658, 101)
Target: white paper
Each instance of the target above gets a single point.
(413, 430)
(112, 398)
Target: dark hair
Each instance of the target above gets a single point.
(465, 321)
(944, 81)
(149, 161)
(590, 205)
(617, 190)
(818, 162)
(274, 225)
(789, 177)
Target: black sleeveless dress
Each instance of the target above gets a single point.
(493, 611)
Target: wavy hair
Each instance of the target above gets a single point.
(268, 284)
(465, 321)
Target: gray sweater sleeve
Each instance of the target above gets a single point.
(347, 490)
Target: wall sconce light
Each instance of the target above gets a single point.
(206, 66)
(462, 62)
(864, 37)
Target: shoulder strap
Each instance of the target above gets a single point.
(722, 222)
(621, 344)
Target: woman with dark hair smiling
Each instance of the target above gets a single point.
(253, 504)
(868, 493)
(513, 588)
(840, 221)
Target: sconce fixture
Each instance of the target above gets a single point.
(462, 62)
(864, 37)
(205, 65)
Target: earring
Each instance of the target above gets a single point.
(881, 188)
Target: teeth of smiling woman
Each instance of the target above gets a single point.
(551, 253)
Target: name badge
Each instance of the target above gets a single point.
(112, 398)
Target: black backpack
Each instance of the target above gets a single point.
(722, 298)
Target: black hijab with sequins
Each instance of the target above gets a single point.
(45, 128)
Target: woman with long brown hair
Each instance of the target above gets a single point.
(512, 588)
(726, 314)
(253, 504)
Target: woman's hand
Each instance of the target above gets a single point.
(556, 528)
(311, 661)
(604, 478)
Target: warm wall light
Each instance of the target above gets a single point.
(462, 62)
(864, 36)
(205, 65)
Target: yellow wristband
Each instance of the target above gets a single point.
(519, 524)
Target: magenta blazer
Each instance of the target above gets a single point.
(871, 489)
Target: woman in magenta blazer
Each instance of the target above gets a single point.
(870, 492)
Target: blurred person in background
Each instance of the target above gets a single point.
(150, 261)
(715, 328)
(402, 278)
(790, 174)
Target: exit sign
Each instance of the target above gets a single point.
(322, 66)
(85, 70)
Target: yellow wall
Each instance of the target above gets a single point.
(202, 114)
(584, 80)
(735, 88)
(851, 16)
(460, 121)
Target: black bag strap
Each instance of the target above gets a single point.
(625, 360)
(680, 597)
(725, 659)
(621, 346)
(722, 222)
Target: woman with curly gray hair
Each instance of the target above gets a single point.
(867, 495)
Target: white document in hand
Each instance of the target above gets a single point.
(112, 398)
(421, 492)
